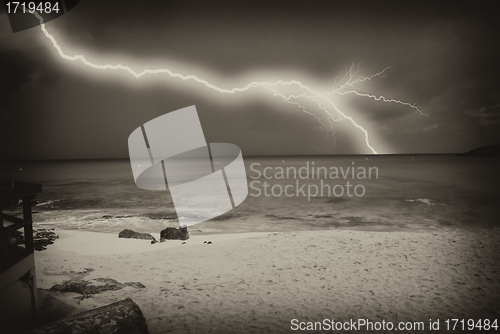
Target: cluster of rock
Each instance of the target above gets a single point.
(43, 237)
(170, 233)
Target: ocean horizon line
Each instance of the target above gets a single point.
(247, 156)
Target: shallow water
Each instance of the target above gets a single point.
(404, 192)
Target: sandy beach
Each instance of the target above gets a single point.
(259, 282)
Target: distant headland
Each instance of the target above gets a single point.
(484, 151)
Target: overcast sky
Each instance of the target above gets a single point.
(443, 55)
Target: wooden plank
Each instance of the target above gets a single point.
(14, 227)
(12, 219)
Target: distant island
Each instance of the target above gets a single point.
(484, 151)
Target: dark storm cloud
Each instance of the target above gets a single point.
(20, 71)
(444, 57)
(232, 35)
(487, 115)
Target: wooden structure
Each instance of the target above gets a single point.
(18, 300)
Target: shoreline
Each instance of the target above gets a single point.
(100, 243)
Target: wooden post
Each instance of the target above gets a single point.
(28, 241)
(28, 226)
(5, 247)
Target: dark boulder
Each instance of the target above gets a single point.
(127, 234)
(94, 286)
(120, 317)
(172, 233)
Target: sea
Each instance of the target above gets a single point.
(286, 193)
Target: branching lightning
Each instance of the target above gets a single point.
(321, 100)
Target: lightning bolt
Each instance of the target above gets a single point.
(318, 98)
